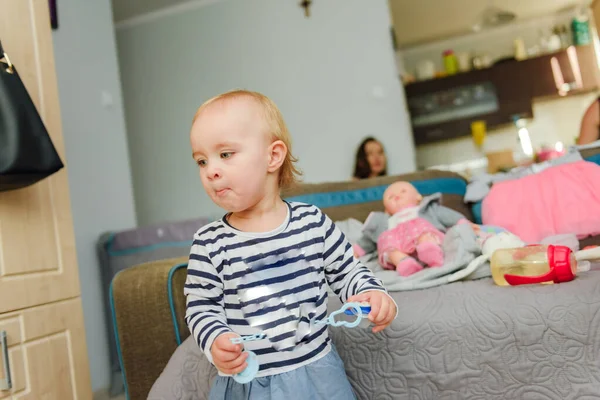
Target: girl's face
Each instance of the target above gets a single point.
(231, 149)
(375, 157)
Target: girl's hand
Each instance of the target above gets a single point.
(228, 357)
(383, 308)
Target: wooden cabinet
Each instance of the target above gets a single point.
(40, 306)
(595, 9)
(563, 73)
(444, 108)
(47, 352)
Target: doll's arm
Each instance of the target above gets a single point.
(449, 217)
(363, 246)
(374, 225)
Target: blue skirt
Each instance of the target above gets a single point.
(324, 379)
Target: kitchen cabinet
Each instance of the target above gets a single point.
(444, 108)
(563, 73)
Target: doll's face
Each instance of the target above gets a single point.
(400, 195)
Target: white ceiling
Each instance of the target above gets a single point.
(415, 21)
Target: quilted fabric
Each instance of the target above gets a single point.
(469, 340)
(477, 341)
(187, 376)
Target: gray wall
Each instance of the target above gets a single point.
(333, 76)
(96, 151)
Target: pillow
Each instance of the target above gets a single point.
(187, 376)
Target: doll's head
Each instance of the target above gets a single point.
(400, 195)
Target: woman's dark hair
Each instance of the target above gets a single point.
(362, 169)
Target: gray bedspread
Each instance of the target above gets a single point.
(467, 340)
(475, 340)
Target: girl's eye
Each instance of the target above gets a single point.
(226, 155)
(201, 163)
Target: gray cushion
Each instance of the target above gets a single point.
(187, 376)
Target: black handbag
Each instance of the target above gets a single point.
(27, 154)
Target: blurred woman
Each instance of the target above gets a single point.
(370, 160)
(590, 124)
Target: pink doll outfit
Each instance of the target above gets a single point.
(404, 237)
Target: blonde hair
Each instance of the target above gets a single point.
(289, 174)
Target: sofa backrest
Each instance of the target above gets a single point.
(591, 154)
(118, 251)
(147, 310)
(356, 199)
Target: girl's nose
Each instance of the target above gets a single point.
(213, 173)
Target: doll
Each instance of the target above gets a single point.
(412, 226)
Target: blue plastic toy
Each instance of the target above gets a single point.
(366, 309)
(249, 338)
(349, 309)
(252, 368)
(248, 374)
(250, 371)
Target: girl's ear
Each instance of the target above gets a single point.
(277, 152)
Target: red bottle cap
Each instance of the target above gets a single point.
(559, 262)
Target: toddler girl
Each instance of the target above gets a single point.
(265, 266)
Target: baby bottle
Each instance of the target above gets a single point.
(545, 264)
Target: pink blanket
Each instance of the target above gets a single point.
(561, 199)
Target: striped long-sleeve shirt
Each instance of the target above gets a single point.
(273, 282)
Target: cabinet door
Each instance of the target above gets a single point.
(37, 247)
(46, 353)
(595, 9)
(565, 72)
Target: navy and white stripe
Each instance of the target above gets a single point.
(273, 282)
